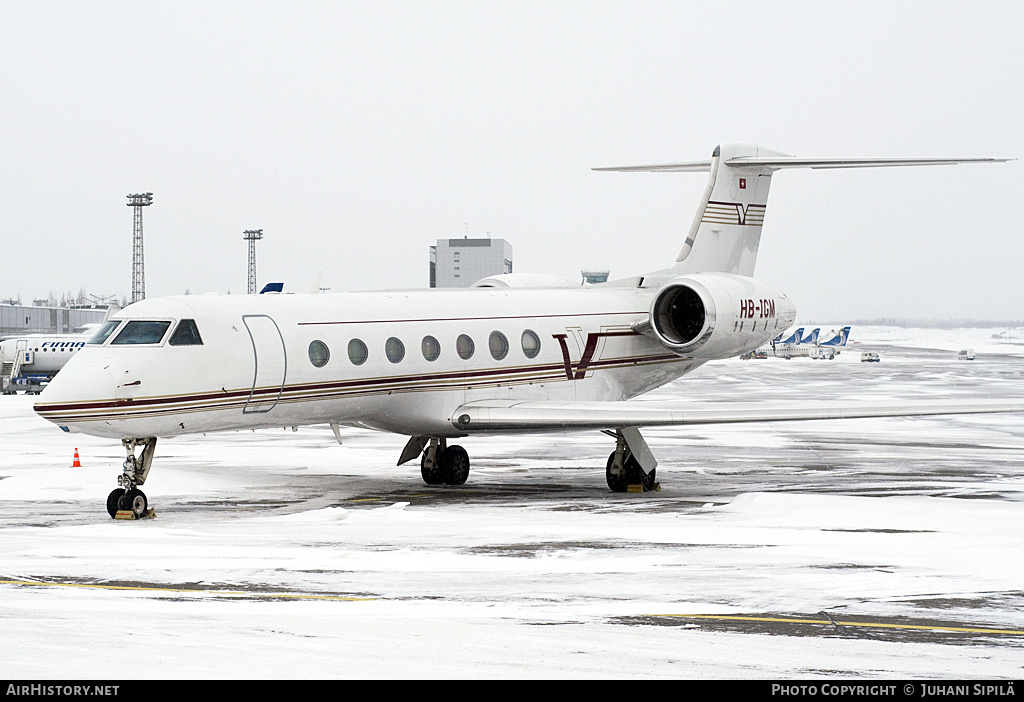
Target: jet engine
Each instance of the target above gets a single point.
(717, 315)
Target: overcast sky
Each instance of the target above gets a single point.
(355, 134)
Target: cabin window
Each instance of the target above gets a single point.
(431, 348)
(498, 345)
(141, 332)
(357, 352)
(104, 332)
(531, 344)
(394, 349)
(187, 334)
(319, 354)
(465, 346)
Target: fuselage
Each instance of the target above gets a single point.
(398, 361)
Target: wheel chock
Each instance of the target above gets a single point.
(128, 514)
(640, 488)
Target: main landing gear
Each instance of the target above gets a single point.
(444, 465)
(623, 470)
(441, 464)
(128, 498)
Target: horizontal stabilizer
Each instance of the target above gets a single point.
(778, 162)
(509, 415)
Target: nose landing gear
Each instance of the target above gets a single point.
(128, 501)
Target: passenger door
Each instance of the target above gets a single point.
(271, 363)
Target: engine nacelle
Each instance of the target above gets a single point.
(718, 315)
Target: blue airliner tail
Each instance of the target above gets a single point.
(795, 338)
(839, 339)
(812, 338)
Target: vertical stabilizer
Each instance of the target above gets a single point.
(839, 338)
(811, 338)
(795, 338)
(726, 229)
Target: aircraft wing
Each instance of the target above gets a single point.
(511, 415)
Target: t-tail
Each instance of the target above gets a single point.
(726, 230)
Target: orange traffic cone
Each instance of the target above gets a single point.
(77, 463)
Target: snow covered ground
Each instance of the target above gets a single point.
(283, 555)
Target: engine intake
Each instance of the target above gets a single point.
(680, 315)
(718, 315)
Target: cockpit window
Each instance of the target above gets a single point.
(140, 332)
(104, 332)
(187, 334)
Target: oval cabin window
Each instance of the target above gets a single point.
(394, 349)
(531, 344)
(465, 346)
(431, 348)
(498, 345)
(319, 354)
(357, 352)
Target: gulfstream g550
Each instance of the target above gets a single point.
(514, 354)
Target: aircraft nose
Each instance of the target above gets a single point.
(80, 388)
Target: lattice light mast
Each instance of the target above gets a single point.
(138, 201)
(252, 236)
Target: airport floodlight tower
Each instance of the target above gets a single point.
(138, 201)
(252, 236)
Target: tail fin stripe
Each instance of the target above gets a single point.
(734, 213)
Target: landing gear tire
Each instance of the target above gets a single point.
(135, 500)
(617, 482)
(632, 474)
(431, 471)
(114, 500)
(454, 465)
(636, 476)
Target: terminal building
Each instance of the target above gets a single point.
(23, 319)
(458, 263)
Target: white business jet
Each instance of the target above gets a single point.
(518, 354)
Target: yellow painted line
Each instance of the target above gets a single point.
(878, 625)
(239, 593)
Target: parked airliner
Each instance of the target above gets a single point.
(799, 347)
(38, 354)
(517, 354)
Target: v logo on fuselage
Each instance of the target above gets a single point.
(579, 372)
